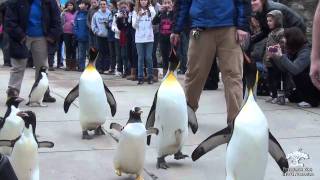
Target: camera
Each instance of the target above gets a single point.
(273, 49)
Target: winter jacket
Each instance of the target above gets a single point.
(80, 26)
(16, 21)
(100, 22)
(290, 19)
(212, 14)
(165, 19)
(68, 22)
(143, 26)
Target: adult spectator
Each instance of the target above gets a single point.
(5, 36)
(262, 7)
(297, 63)
(214, 35)
(30, 25)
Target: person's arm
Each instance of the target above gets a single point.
(243, 9)
(135, 20)
(11, 23)
(89, 17)
(94, 26)
(156, 19)
(120, 24)
(76, 26)
(182, 8)
(315, 55)
(295, 67)
(114, 26)
(152, 12)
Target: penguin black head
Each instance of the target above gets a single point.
(43, 69)
(173, 60)
(93, 54)
(29, 119)
(250, 73)
(135, 115)
(14, 101)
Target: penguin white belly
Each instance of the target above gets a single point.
(247, 151)
(11, 129)
(171, 119)
(92, 101)
(24, 159)
(130, 154)
(38, 93)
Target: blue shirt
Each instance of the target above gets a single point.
(35, 20)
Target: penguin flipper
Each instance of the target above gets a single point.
(112, 102)
(212, 142)
(35, 84)
(45, 144)
(73, 94)
(192, 120)
(116, 126)
(277, 153)
(9, 143)
(152, 131)
(152, 116)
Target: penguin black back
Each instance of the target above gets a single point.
(135, 115)
(43, 69)
(93, 55)
(251, 74)
(29, 119)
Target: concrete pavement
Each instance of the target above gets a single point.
(75, 159)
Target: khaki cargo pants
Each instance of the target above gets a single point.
(220, 43)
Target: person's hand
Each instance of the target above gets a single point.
(274, 52)
(23, 40)
(141, 13)
(174, 39)
(162, 8)
(50, 40)
(315, 72)
(241, 36)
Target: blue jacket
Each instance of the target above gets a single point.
(212, 14)
(80, 28)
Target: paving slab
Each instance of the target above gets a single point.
(75, 159)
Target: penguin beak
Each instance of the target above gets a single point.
(22, 114)
(19, 99)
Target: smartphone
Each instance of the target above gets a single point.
(273, 49)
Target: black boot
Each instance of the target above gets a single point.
(48, 98)
(6, 170)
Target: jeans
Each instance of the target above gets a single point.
(183, 51)
(144, 53)
(103, 61)
(122, 57)
(70, 46)
(165, 48)
(52, 48)
(112, 51)
(154, 49)
(83, 47)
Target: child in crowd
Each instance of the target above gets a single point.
(165, 19)
(99, 28)
(122, 21)
(142, 22)
(82, 34)
(274, 19)
(68, 18)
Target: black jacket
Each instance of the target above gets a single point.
(290, 19)
(16, 22)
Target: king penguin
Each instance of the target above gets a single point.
(172, 114)
(131, 150)
(24, 157)
(39, 88)
(93, 98)
(11, 125)
(248, 138)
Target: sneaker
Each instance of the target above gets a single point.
(281, 100)
(150, 81)
(304, 104)
(118, 74)
(140, 82)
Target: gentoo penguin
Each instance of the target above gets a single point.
(93, 98)
(130, 154)
(39, 88)
(248, 138)
(24, 157)
(172, 114)
(11, 125)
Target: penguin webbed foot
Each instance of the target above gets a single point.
(118, 172)
(179, 155)
(99, 131)
(139, 177)
(161, 163)
(85, 135)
